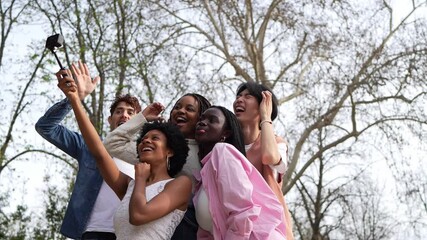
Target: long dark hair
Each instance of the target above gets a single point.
(233, 125)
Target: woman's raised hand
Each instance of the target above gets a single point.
(152, 111)
(266, 106)
(67, 84)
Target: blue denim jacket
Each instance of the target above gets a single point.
(88, 181)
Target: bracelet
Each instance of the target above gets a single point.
(265, 121)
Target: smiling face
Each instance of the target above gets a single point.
(122, 113)
(153, 147)
(246, 107)
(210, 127)
(185, 115)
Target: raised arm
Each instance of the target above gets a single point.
(49, 126)
(121, 142)
(269, 147)
(175, 195)
(109, 171)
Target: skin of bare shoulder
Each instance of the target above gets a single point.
(180, 187)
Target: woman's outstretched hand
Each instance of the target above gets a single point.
(67, 84)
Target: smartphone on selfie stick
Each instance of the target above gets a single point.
(53, 43)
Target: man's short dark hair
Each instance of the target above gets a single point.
(255, 89)
(127, 98)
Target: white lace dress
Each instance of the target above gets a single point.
(162, 228)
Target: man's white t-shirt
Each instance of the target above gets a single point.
(101, 218)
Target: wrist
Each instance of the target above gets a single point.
(83, 95)
(74, 100)
(141, 180)
(266, 117)
(265, 121)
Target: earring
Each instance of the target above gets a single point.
(168, 163)
(223, 139)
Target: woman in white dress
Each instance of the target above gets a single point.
(185, 113)
(154, 203)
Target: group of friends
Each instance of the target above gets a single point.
(205, 173)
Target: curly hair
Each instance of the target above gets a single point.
(255, 89)
(131, 100)
(175, 141)
(203, 102)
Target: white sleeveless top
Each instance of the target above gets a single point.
(162, 228)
